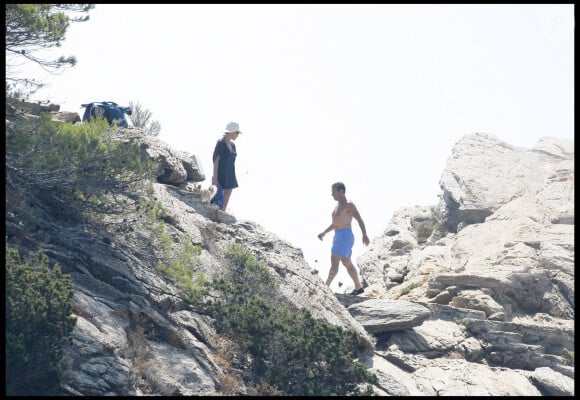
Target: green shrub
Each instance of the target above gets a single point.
(424, 230)
(462, 321)
(38, 323)
(155, 209)
(180, 265)
(245, 272)
(289, 349)
(407, 289)
(513, 304)
(69, 172)
(440, 229)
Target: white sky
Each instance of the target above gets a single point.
(372, 95)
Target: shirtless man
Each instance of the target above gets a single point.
(343, 240)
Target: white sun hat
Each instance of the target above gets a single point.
(232, 127)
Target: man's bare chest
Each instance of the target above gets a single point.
(342, 212)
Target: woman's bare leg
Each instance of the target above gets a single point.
(227, 194)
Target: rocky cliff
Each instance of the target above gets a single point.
(472, 296)
(491, 265)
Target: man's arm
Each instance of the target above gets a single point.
(361, 224)
(330, 228)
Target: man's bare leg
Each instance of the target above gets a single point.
(351, 271)
(334, 260)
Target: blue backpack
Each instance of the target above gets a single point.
(112, 112)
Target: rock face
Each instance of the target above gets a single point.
(495, 258)
(473, 296)
(118, 291)
(379, 315)
(176, 168)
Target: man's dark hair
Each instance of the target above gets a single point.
(339, 186)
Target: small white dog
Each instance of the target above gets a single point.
(208, 194)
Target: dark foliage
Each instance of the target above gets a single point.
(289, 349)
(38, 323)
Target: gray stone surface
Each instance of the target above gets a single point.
(472, 296)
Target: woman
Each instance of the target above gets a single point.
(224, 165)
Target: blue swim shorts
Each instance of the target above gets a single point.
(343, 242)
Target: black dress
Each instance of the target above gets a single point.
(227, 164)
